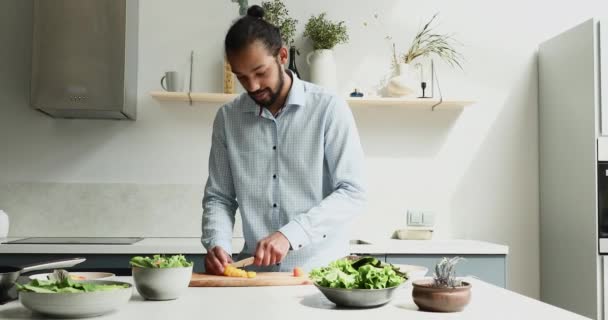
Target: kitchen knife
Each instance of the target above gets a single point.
(243, 263)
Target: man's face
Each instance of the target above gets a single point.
(259, 72)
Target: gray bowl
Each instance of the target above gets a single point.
(77, 305)
(358, 298)
(161, 283)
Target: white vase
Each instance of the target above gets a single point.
(322, 68)
(402, 85)
(3, 224)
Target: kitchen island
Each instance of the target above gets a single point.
(306, 302)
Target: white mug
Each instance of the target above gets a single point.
(3, 224)
(169, 81)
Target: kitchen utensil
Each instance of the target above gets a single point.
(361, 298)
(78, 276)
(4, 223)
(77, 305)
(169, 81)
(243, 263)
(9, 274)
(261, 279)
(161, 283)
(190, 77)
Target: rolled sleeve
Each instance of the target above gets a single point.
(219, 200)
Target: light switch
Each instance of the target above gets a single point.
(420, 218)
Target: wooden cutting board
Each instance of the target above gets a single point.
(261, 279)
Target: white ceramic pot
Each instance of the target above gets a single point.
(161, 283)
(402, 85)
(322, 68)
(3, 224)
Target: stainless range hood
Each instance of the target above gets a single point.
(84, 58)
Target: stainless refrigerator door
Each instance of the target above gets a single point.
(78, 55)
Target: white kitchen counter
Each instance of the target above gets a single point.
(306, 302)
(194, 246)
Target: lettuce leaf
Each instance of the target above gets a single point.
(160, 261)
(364, 273)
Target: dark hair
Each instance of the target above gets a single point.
(250, 28)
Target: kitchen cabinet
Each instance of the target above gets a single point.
(573, 123)
(115, 263)
(485, 260)
(489, 268)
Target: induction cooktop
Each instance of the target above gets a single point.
(76, 240)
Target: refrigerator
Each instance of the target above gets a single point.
(573, 139)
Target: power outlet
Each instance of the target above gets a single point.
(420, 218)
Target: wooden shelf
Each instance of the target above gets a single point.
(353, 102)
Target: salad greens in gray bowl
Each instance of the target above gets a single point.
(358, 282)
(65, 298)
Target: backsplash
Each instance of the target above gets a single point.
(104, 210)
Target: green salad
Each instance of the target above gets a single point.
(363, 273)
(66, 285)
(160, 261)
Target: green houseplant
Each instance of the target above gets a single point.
(325, 35)
(277, 14)
(445, 292)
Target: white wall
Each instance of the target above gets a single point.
(478, 169)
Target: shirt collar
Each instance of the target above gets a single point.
(295, 97)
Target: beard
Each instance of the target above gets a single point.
(273, 95)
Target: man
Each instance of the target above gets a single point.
(287, 154)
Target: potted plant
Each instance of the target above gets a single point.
(325, 35)
(277, 14)
(443, 293)
(426, 43)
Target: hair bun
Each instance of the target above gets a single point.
(255, 11)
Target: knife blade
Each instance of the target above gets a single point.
(243, 263)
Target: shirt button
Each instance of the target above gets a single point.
(274, 176)
(299, 246)
(274, 147)
(324, 236)
(274, 205)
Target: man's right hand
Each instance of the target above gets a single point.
(215, 261)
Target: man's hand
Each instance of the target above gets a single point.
(271, 250)
(216, 260)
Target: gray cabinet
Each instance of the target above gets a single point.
(489, 268)
(115, 263)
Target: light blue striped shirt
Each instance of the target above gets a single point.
(300, 173)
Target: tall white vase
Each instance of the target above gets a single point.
(404, 84)
(3, 224)
(322, 68)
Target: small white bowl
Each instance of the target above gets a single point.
(161, 283)
(413, 272)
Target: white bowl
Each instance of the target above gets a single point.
(77, 305)
(413, 272)
(86, 275)
(161, 283)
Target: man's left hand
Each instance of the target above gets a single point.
(271, 250)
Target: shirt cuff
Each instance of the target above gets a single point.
(296, 235)
(224, 244)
